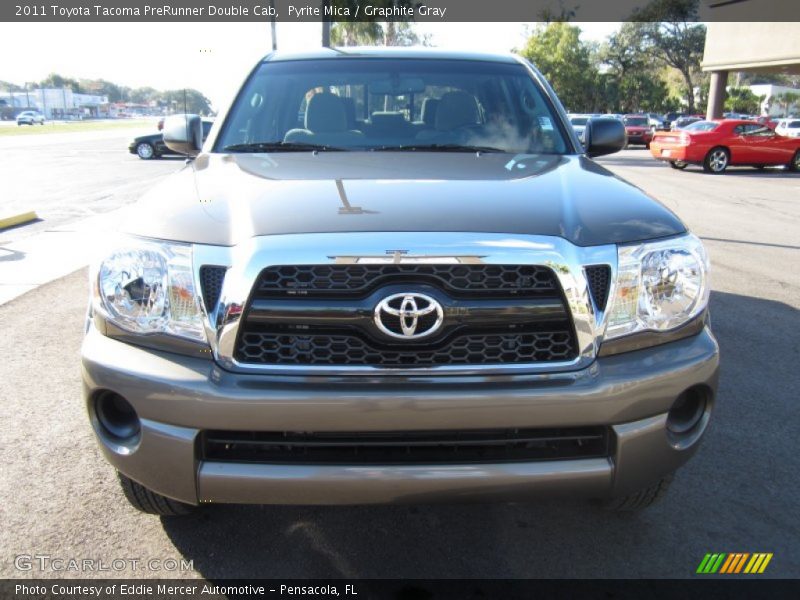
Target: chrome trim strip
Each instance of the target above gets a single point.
(249, 258)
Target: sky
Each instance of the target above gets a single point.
(211, 57)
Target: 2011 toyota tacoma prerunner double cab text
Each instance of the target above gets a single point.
(397, 276)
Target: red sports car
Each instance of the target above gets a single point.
(720, 143)
(638, 129)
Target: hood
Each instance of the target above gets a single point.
(223, 199)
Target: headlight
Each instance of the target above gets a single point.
(660, 286)
(148, 287)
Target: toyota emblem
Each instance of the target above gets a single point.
(403, 316)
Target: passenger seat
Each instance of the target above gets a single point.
(326, 124)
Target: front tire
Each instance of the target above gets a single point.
(147, 501)
(145, 151)
(640, 499)
(795, 164)
(716, 160)
(678, 164)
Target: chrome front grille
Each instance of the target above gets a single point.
(322, 315)
(540, 289)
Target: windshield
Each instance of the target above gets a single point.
(702, 126)
(391, 104)
(579, 120)
(636, 121)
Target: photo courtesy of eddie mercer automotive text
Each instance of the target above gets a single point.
(397, 276)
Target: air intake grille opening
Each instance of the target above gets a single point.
(354, 280)
(211, 278)
(343, 350)
(599, 277)
(406, 447)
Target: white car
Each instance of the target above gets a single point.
(30, 117)
(788, 128)
(579, 125)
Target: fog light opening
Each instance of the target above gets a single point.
(687, 411)
(117, 417)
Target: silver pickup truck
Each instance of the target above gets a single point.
(397, 276)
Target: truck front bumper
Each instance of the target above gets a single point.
(177, 397)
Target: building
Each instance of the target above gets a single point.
(771, 105)
(55, 103)
(769, 47)
(63, 103)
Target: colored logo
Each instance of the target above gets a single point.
(737, 562)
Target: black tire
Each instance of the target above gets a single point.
(678, 164)
(145, 151)
(640, 499)
(717, 160)
(795, 164)
(147, 501)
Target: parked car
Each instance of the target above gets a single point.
(683, 122)
(788, 128)
(638, 129)
(578, 123)
(30, 117)
(767, 121)
(397, 301)
(718, 144)
(669, 117)
(152, 145)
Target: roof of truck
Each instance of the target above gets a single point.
(389, 52)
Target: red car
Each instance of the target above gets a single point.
(720, 143)
(638, 129)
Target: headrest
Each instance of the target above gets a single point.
(326, 113)
(456, 109)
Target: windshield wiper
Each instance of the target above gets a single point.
(280, 147)
(437, 148)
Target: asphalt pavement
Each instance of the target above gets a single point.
(77, 184)
(59, 497)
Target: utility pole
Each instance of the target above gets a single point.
(326, 26)
(272, 25)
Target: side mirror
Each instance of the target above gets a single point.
(604, 136)
(184, 134)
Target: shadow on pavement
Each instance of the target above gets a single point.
(737, 494)
(627, 160)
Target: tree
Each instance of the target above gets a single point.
(742, 100)
(558, 52)
(786, 100)
(188, 100)
(631, 67)
(115, 93)
(672, 36)
(54, 80)
(402, 33)
(356, 33)
(143, 95)
(372, 33)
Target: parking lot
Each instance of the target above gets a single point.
(59, 497)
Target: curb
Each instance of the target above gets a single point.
(17, 219)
